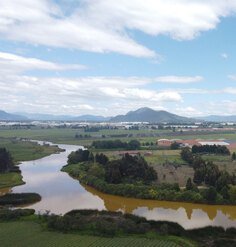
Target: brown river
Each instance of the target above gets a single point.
(60, 193)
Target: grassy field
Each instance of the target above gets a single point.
(24, 150)
(30, 234)
(67, 135)
(10, 179)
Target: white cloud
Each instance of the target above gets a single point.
(232, 77)
(224, 55)
(230, 90)
(77, 95)
(105, 25)
(179, 79)
(13, 64)
(224, 107)
(188, 111)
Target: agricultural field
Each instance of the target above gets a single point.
(68, 135)
(27, 234)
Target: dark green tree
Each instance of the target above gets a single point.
(6, 161)
(234, 156)
(189, 184)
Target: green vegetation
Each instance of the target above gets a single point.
(26, 150)
(14, 199)
(132, 177)
(101, 228)
(30, 234)
(13, 151)
(211, 149)
(6, 162)
(116, 144)
(10, 179)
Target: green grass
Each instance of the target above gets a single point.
(24, 150)
(30, 234)
(10, 179)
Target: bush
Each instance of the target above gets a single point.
(7, 214)
(19, 199)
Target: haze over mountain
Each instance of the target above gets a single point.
(11, 117)
(217, 118)
(146, 114)
(48, 117)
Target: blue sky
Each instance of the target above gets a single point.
(107, 57)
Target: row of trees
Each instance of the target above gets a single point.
(211, 149)
(116, 144)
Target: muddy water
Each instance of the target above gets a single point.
(60, 193)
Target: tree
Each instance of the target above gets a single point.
(174, 146)
(6, 161)
(187, 155)
(232, 194)
(189, 184)
(211, 194)
(234, 156)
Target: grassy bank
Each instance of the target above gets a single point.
(25, 150)
(22, 151)
(10, 179)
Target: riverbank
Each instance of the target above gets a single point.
(10, 179)
(22, 150)
(162, 192)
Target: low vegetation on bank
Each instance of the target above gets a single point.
(15, 199)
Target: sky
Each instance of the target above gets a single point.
(107, 57)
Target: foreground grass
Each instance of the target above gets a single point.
(27, 234)
(10, 179)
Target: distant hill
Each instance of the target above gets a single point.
(11, 117)
(48, 117)
(149, 115)
(216, 118)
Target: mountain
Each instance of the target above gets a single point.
(149, 115)
(48, 117)
(11, 117)
(216, 118)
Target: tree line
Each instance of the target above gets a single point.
(116, 144)
(211, 149)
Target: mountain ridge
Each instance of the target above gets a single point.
(146, 114)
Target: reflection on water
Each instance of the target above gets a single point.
(186, 214)
(60, 194)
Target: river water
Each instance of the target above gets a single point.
(60, 193)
